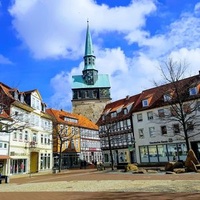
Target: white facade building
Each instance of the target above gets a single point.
(29, 132)
(166, 122)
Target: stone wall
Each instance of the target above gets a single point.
(90, 109)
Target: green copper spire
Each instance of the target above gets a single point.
(88, 45)
(89, 58)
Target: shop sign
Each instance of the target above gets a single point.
(18, 154)
(92, 149)
(158, 142)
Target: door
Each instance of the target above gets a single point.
(196, 148)
(34, 162)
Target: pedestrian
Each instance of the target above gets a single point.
(85, 163)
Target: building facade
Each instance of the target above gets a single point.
(116, 127)
(4, 142)
(30, 132)
(75, 138)
(160, 117)
(165, 124)
(91, 91)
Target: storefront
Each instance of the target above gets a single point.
(162, 152)
(4, 164)
(119, 156)
(18, 166)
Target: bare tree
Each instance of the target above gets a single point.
(61, 135)
(181, 95)
(10, 123)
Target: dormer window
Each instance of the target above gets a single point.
(69, 119)
(167, 97)
(16, 95)
(193, 91)
(125, 111)
(43, 107)
(145, 103)
(22, 98)
(113, 114)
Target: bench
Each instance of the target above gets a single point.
(5, 178)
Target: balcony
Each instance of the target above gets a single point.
(32, 144)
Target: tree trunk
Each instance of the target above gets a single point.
(187, 141)
(111, 155)
(60, 158)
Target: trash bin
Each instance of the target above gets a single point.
(55, 170)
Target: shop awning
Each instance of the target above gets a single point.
(4, 157)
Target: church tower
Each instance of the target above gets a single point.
(91, 91)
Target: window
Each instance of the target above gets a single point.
(193, 91)
(161, 113)
(106, 158)
(145, 102)
(176, 128)
(190, 126)
(86, 94)
(16, 113)
(141, 133)
(150, 115)
(186, 108)
(42, 138)
(139, 117)
(22, 98)
(167, 97)
(113, 114)
(33, 102)
(37, 104)
(76, 144)
(26, 136)
(16, 95)
(152, 131)
(15, 135)
(163, 130)
(46, 139)
(20, 136)
(34, 138)
(125, 111)
(174, 111)
(198, 105)
(66, 144)
(72, 144)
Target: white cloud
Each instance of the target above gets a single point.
(62, 91)
(111, 61)
(197, 8)
(54, 28)
(4, 60)
(191, 57)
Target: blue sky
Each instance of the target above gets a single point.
(42, 43)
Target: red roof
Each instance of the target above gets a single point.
(82, 121)
(155, 96)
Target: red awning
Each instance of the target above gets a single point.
(4, 157)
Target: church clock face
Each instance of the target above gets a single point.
(104, 92)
